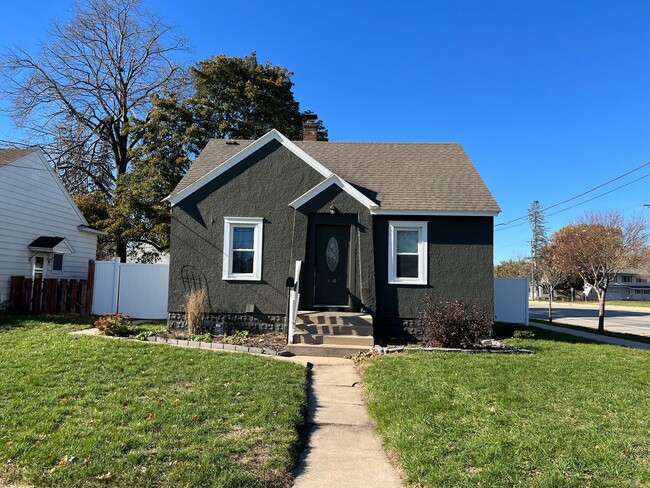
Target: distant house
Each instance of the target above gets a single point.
(376, 226)
(628, 284)
(42, 232)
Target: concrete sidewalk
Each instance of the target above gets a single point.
(593, 336)
(342, 449)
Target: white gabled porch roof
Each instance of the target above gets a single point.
(328, 182)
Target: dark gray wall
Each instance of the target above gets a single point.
(262, 185)
(460, 266)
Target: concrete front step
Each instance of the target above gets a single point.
(356, 330)
(339, 339)
(325, 350)
(333, 318)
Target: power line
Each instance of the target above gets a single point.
(601, 195)
(578, 196)
(580, 203)
(17, 143)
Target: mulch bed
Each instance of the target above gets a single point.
(265, 340)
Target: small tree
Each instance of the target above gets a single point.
(597, 247)
(551, 273)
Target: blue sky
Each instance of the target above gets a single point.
(549, 98)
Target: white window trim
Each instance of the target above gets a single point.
(255, 223)
(421, 227)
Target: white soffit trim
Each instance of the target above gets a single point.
(273, 134)
(438, 213)
(326, 183)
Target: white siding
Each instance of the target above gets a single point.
(34, 203)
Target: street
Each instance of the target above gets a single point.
(628, 320)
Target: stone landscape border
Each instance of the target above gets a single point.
(216, 346)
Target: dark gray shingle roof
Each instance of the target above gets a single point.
(10, 155)
(398, 176)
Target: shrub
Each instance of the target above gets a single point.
(206, 337)
(523, 334)
(239, 337)
(454, 324)
(194, 303)
(114, 324)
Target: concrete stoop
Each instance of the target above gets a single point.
(332, 334)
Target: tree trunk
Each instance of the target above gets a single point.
(121, 251)
(550, 304)
(601, 310)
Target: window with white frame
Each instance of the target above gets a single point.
(242, 248)
(407, 252)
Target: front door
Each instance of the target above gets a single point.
(331, 262)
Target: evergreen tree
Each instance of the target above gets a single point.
(538, 241)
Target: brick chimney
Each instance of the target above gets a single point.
(310, 127)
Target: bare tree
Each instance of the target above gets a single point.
(597, 247)
(87, 85)
(551, 272)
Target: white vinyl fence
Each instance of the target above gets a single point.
(511, 300)
(137, 290)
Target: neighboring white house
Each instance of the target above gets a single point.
(628, 284)
(43, 234)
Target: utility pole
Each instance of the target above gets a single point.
(532, 269)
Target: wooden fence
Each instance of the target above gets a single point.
(52, 295)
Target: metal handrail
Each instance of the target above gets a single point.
(294, 302)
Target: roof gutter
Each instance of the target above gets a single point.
(91, 230)
(437, 213)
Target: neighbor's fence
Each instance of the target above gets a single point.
(52, 295)
(137, 290)
(511, 300)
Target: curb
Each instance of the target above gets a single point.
(514, 350)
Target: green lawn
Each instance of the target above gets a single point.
(93, 411)
(574, 413)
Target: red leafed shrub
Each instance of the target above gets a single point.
(113, 324)
(454, 324)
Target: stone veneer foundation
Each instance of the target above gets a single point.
(218, 323)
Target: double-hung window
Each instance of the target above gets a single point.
(407, 252)
(242, 248)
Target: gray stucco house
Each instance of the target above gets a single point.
(377, 226)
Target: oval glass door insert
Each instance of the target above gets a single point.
(332, 254)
